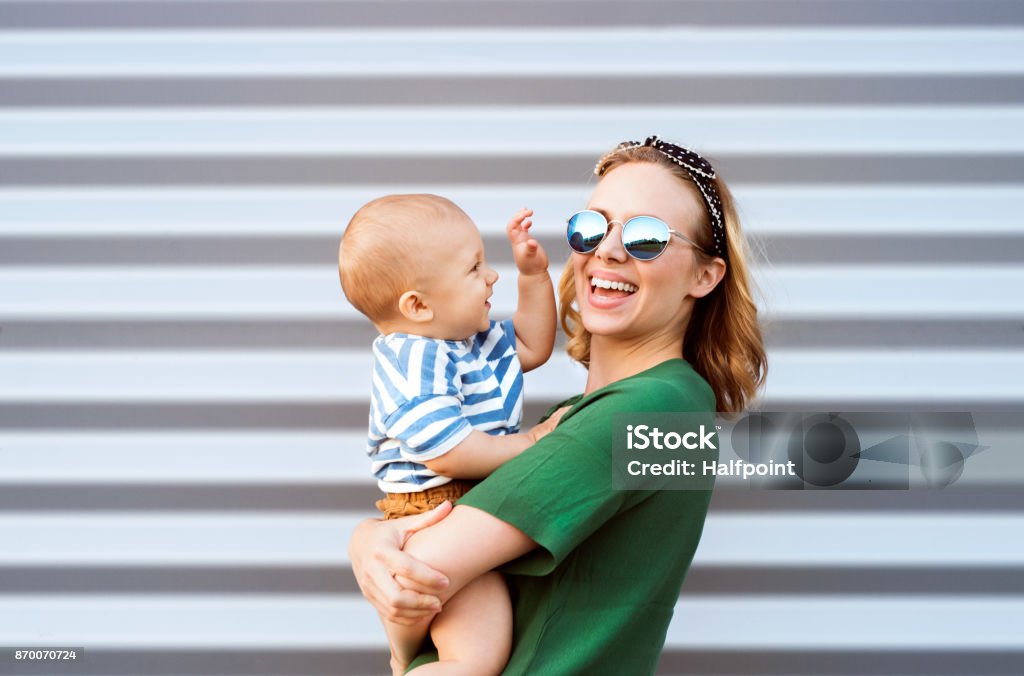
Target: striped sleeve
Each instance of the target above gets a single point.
(424, 406)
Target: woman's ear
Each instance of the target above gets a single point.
(708, 278)
(413, 307)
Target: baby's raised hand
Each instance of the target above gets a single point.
(528, 253)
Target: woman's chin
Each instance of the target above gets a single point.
(598, 324)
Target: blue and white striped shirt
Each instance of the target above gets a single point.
(429, 394)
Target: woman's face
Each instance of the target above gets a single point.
(665, 287)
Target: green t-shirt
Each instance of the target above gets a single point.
(596, 597)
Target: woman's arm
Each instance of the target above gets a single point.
(462, 547)
(444, 550)
(375, 552)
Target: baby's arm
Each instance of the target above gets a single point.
(534, 318)
(480, 453)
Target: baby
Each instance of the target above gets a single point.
(447, 388)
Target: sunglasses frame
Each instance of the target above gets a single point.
(608, 227)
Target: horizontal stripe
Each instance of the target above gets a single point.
(227, 622)
(282, 414)
(534, 133)
(880, 210)
(750, 580)
(350, 415)
(364, 661)
(354, 334)
(479, 52)
(823, 539)
(310, 170)
(442, 13)
(234, 251)
(307, 293)
(324, 377)
(638, 89)
(334, 377)
(852, 662)
(79, 496)
(240, 456)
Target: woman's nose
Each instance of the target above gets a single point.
(611, 247)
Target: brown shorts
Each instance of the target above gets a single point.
(395, 505)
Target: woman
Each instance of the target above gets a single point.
(664, 321)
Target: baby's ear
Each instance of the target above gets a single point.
(412, 306)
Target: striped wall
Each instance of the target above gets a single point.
(183, 389)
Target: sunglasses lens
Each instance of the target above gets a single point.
(645, 237)
(585, 231)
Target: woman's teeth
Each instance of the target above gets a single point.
(617, 286)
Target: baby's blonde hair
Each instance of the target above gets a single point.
(380, 255)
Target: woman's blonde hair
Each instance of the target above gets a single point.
(723, 340)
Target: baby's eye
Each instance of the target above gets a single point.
(476, 268)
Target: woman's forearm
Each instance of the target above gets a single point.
(464, 546)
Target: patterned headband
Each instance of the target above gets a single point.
(700, 171)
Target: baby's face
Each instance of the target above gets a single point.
(456, 279)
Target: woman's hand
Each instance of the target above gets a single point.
(377, 558)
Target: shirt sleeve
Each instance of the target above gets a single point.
(497, 333)
(510, 331)
(423, 400)
(559, 492)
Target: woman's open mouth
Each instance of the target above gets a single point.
(606, 294)
(605, 288)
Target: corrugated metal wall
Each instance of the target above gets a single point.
(183, 389)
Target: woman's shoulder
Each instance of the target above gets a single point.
(673, 382)
(672, 385)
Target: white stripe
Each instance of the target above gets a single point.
(407, 386)
(412, 420)
(276, 621)
(232, 456)
(526, 132)
(881, 622)
(876, 210)
(248, 538)
(558, 51)
(334, 377)
(932, 291)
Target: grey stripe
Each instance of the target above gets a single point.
(879, 249)
(523, 13)
(897, 333)
(227, 415)
(749, 581)
(814, 662)
(285, 334)
(574, 170)
(341, 415)
(983, 500)
(289, 334)
(361, 497)
(127, 416)
(209, 662)
(495, 90)
(811, 662)
(294, 250)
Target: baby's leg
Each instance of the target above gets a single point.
(404, 641)
(473, 633)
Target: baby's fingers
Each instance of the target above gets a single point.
(520, 220)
